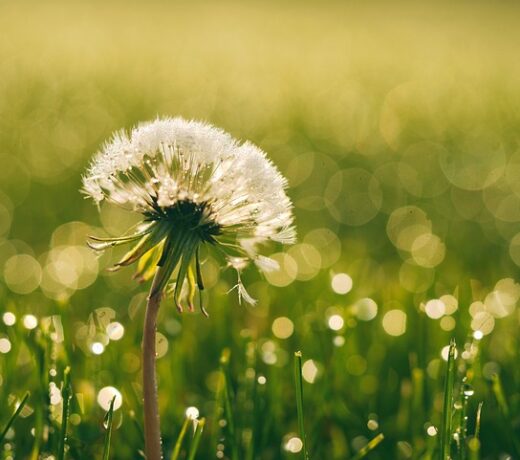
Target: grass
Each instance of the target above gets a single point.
(66, 395)
(107, 423)
(474, 441)
(363, 452)
(298, 380)
(368, 108)
(446, 435)
(178, 443)
(16, 413)
(196, 438)
(227, 396)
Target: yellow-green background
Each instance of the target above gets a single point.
(366, 107)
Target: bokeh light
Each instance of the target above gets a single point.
(294, 445)
(341, 283)
(161, 345)
(445, 352)
(5, 345)
(394, 322)
(30, 321)
(287, 272)
(192, 413)
(9, 318)
(435, 308)
(115, 331)
(22, 273)
(282, 327)
(365, 309)
(335, 322)
(447, 323)
(310, 371)
(97, 348)
(106, 395)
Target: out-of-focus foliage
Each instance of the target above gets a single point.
(397, 125)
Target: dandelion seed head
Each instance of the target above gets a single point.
(194, 184)
(171, 160)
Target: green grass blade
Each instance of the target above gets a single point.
(196, 439)
(448, 403)
(228, 407)
(180, 438)
(466, 392)
(250, 419)
(108, 426)
(474, 441)
(299, 400)
(66, 395)
(371, 445)
(13, 417)
(477, 420)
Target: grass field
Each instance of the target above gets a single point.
(397, 125)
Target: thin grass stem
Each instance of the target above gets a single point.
(196, 438)
(16, 413)
(66, 396)
(180, 438)
(299, 401)
(371, 445)
(448, 403)
(108, 426)
(477, 420)
(228, 407)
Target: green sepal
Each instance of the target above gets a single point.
(192, 287)
(187, 255)
(102, 243)
(147, 264)
(170, 257)
(146, 243)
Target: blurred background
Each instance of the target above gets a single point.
(396, 124)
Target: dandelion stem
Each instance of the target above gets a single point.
(152, 426)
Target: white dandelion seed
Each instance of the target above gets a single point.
(194, 185)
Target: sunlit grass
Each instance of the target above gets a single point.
(397, 126)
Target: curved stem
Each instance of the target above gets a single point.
(152, 428)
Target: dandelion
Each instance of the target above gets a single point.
(195, 186)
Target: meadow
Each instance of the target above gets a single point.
(397, 125)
